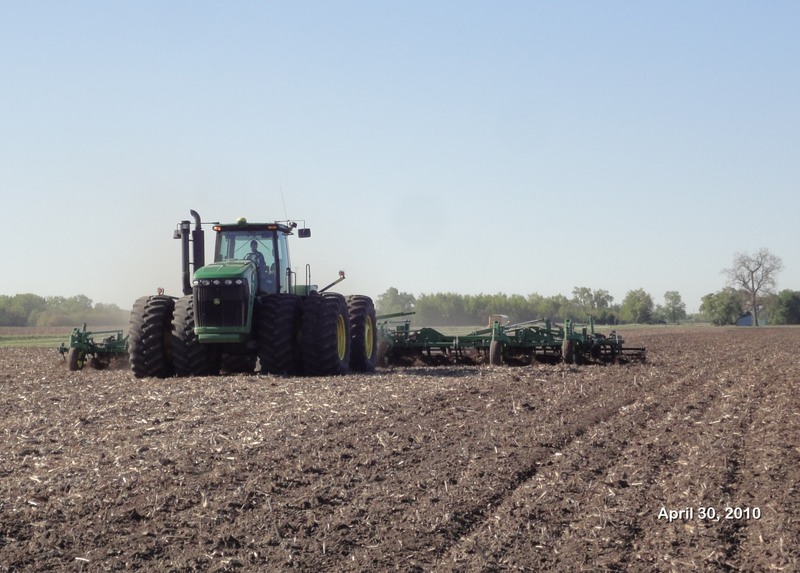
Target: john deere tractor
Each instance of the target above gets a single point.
(245, 308)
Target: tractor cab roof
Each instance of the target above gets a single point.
(242, 225)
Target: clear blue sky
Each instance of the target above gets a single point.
(468, 147)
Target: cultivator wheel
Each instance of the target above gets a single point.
(363, 333)
(495, 353)
(383, 354)
(190, 357)
(149, 334)
(277, 327)
(568, 351)
(76, 359)
(325, 333)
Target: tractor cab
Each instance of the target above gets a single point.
(252, 255)
(251, 260)
(262, 245)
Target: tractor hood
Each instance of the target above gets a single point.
(226, 270)
(223, 301)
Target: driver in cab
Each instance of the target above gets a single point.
(264, 280)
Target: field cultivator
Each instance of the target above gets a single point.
(519, 344)
(82, 344)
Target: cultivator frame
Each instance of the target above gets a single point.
(82, 344)
(521, 343)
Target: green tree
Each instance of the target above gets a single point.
(602, 299)
(723, 307)
(556, 308)
(429, 310)
(394, 301)
(637, 307)
(674, 307)
(755, 275)
(588, 303)
(583, 298)
(21, 309)
(517, 308)
(535, 305)
(785, 307)
(78, 304)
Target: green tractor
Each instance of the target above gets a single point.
(245, 308)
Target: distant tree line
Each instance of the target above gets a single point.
(451, 309)
(33, 310)
(750, 290)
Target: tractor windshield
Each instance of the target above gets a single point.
(239, 245)
(265, 248)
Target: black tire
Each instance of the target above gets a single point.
(76, 359)
(325, 335)
(277, 327)
(495, 353)
(568, 351)
(363, 333)
(149, 335)
(190, 357)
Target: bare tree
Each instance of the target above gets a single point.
(755, 275)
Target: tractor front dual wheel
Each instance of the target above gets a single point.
(277, 318)
(190, 357)
(149, 336)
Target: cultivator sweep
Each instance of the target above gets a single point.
(521, 343)
(82, 344)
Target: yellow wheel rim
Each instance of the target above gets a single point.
(341, 337)
(369, 338)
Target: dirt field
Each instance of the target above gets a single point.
(540, 468)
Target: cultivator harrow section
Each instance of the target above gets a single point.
(520, 344)
(82, 345)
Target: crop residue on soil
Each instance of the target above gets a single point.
(538, 468)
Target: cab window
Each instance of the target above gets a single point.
(237, 245)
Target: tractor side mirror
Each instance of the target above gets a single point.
(304, 233)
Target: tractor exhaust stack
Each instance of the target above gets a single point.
(198, 251)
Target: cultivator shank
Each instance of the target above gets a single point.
(521, 343)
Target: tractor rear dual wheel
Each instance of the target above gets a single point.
(325, 335)
(363, 333)
(149, 336)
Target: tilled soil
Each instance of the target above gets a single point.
(686, 462)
